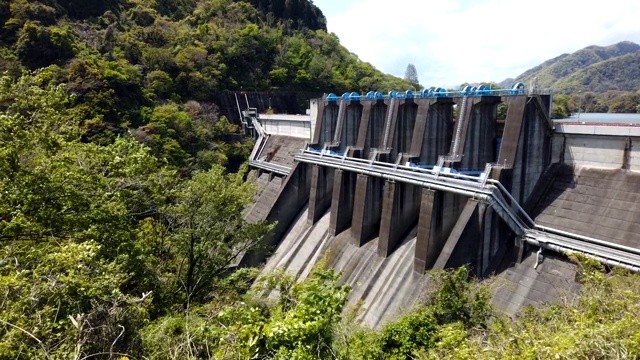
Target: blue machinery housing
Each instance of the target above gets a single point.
(482, 90)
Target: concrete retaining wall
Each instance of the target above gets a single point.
(298, 126)
(597, 151)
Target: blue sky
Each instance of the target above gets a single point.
(456, 41)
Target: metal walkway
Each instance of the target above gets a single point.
(251, 115)
(496, 196)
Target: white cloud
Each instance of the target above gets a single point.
(451, 42)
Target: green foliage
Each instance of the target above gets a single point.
(602, 324)
(598, 79)
(302, 327)
(39, 46)
(454, 307)
(207, 223)
(68, 298)
(457, 300)
(618, 73)
(80, 9)
(411, 75)
(301, 13)
(189, 137)
(96, 240)
(553, 72)
(560, 107)
(503, 108)
(122, 59)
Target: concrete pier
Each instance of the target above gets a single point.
(533, 154)
(400, 205)
(478, 141)
(402, 132)
(465, 111)
(433, 130)
(367, 209)
(327, 118)
(321, 192)
(462, 246)
(361, 138)
(348, 134)
(430, 238)
(390, 127)
(371, 131)
(344, 189)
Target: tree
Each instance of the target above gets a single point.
(38, 46)
(208, 230)
(411, 75)
(68, 218)
(560, 107)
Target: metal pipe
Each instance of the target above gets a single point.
(564, 250)
(535, 266)
(479, 194)
(589, 239)
(278, 169)
(335, 163)
(470, 189)
(408, 171)
(371, 172)
(503, 190)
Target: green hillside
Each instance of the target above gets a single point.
(593, 79)
(621, 73)
(562, 74)
(149, 68)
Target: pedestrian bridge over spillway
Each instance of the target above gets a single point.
(387, 187)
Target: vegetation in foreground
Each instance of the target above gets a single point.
(119, 217)
(107, 250)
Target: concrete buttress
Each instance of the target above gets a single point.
(342, 201)
(400, 204)
(366, 209)
(321, 191)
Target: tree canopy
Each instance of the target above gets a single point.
(411, 75)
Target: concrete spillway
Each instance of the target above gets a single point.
(383, 286)
(603, 204)
(524, 283)
(267, 189)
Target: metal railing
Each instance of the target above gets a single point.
(429, 95)
(496, 196)
(251, 115)
(459, 125)
(387, 128)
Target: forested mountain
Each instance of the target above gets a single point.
(593, 68)
(151, 67)
(593, 79)
(620, 73)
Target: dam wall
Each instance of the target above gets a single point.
(387, 188)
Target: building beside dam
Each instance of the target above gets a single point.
(386, 187)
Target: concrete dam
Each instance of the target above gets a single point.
(386, 187)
